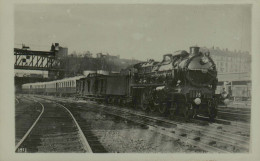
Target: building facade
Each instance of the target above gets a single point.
(231, 61)
(234, 72)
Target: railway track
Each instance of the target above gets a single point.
(234, 116)
(233, 109)
(54, 130)
(210, 138)
(235, 113)
(207, 138)
(26, 112)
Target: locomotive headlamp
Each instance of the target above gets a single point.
(197, 101)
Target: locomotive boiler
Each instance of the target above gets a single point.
(183, 83)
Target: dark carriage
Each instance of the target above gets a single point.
(106, 88)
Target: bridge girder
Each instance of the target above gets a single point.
(36, 60)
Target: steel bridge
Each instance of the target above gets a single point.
(36, 60)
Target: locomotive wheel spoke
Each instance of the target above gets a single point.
(187, 112)
(212, 113)
(162, 108)
(172, 110)
(194, 113)
(144, 106)
(152, 107)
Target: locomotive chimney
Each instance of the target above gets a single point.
(194, 50)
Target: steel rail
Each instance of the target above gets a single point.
(231, 113)
(17, 100)
(29, 131)
(82, 136)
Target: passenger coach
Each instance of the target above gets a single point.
(61, 87)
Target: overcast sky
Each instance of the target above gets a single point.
(133, 31)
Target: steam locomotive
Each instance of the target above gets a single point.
(181, 84)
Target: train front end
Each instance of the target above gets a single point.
(200, 75)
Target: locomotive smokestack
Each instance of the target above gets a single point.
(194, 50)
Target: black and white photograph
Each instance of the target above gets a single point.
(145, 78)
